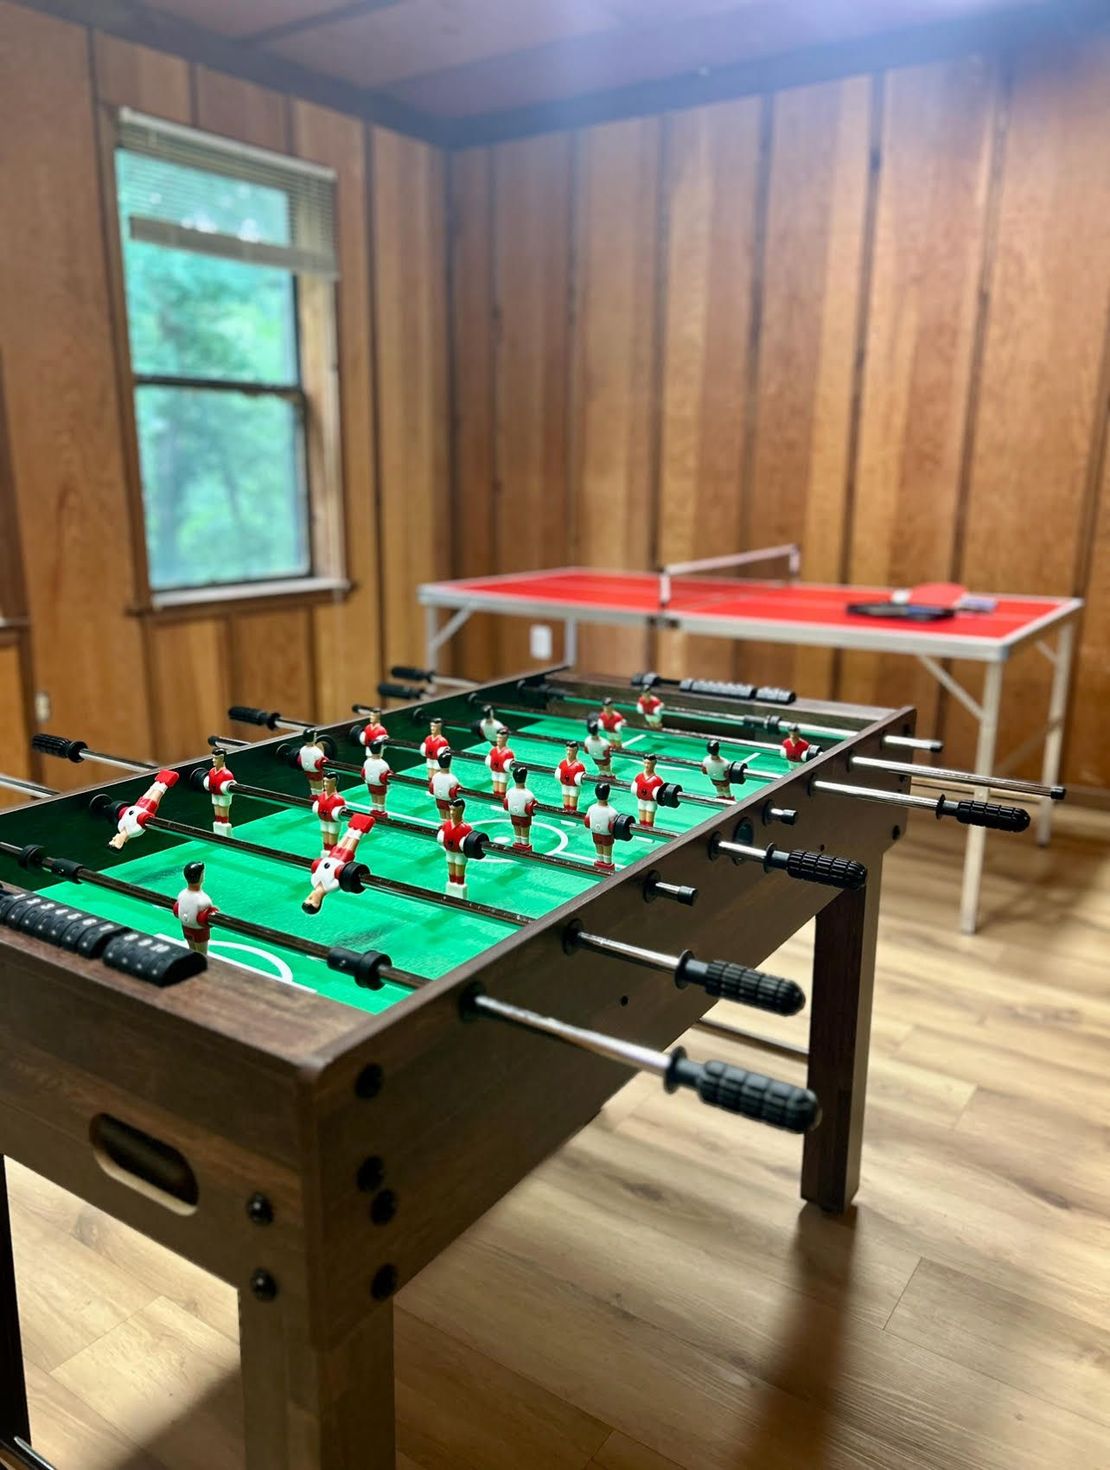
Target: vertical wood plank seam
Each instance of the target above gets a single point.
(496, 319)
(370, 178)
(573, 363)
(755, 314)
(454, 510)
(659, 354)
(194, 93)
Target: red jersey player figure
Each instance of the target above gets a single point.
(599, 818)
(488, 726)
(612, 722)
(598, 747)
(716, 767)
(376, 772)
(645, 788)
(327, 870)
(651, 707)
(130, 820)
(430, 747)
(194, 909)
(451, 837)
(500, 760)
(444, 784)
(311, 758)
(795, 745)
(220, 783)
(328, 806)
(520, 805)
(373, 729)
(570, 771)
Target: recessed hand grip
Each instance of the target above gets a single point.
(399, 691)
(819, 867)
(403, 671)
(726, 981)
(778, 1104)
(245, 714)
(58, 745)
(988, 814)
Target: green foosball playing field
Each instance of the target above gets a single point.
(425, 938)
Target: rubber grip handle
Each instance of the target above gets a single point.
(245, 714)
(403, 671)
(724, 980)
(989, 814)
(819, 867)
(749, 1094)
(407, 692)
(58, 745)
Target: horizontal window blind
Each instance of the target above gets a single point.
(199, 192)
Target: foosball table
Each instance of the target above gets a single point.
(301, 1010)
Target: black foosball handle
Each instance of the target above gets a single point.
(988, 814)
(245, 714)
(820, 867)
(750, 1094)
(407, 692)
(726, 981)
(419, 676)
(58, 745)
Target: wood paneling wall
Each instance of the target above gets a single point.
(870, 315)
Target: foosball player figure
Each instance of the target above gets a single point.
(373, 729)
(600, 818)
(220, 783)
(651, 707)
(521, 806)
(795, 745)
(452, 837)
(645, 788)
(500, 761)
(430, 747)
(612, 722)
(598, 748)
(328, 806)
(327, 871)
(570, 772)
(130, 820)
(716, 767)
(376, 772)
(487, 727)
(444, 784)
(194, 909)
(311, 758)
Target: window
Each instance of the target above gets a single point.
(223, 246)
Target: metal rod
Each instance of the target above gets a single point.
(34, 789)
(584, 868)
(914, 742)
(640, 1058)
(674, 760)
(962, 778)
(884, 798)
(751, 1038)
(650, 959)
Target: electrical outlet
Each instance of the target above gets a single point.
(539, 641)
(44, 708)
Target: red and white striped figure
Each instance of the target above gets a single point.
(452, 837)
(220, 783)
(500, 761)
(612, 722)
(130, 820)
(312, 757)
(521, 806)
(329, 806)
(444, 785)
(488, 726)
(377, 773)
(194, 909)
(327, 870)
(430, 747)
(599, 819)
(570, 772)
(373, 729)
(716, 767)
(795, 745)
(598, 748)
(651, 707)
(645, 788)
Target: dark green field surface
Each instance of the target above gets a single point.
(425, 938)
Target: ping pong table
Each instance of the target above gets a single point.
(790, 612)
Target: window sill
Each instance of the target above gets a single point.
(243, 594)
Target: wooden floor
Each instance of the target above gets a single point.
(655, 1295)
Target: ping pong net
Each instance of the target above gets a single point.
(684, 577)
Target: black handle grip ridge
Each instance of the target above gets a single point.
(750, 1094)
(407, 692)
(421, 676)
(990, 814)
(819, 867)
(246, 714)
(724, 980)
(58, 745)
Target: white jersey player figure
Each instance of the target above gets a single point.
(220, 784)
(599, 818)
(376, 772)
(716, 767)
(598, 748)
(130, 820)
(612, 722)
(645, 788)
(444, 784)
(488, 726)
(520, 805)
(500, 760)
(194, 909)
(311, 758)
(329, 806)
(327, 870)
(651, 707)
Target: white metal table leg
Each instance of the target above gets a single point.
(984, 761)
(570, 642)
(431, 629)
(1057, 713)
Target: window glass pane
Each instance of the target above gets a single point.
(201, 200)
(223, 487)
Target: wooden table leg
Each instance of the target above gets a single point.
(839, 1040)
(309, 1408)
(14, 1419)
